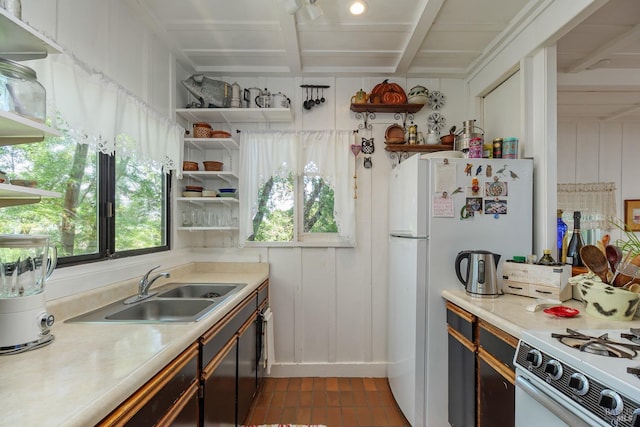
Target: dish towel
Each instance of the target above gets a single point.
(268, 351)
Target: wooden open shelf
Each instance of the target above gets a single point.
(386, 108)
(415, 148)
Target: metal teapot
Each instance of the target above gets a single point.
(263, 100)
(250, 95)
(360, 97)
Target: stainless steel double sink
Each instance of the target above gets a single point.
(174, 302)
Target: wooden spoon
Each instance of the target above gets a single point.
(595, 260)
(614, 256)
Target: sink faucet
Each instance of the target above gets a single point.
(143, 286)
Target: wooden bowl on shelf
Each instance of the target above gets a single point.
(190, 166)
(212, 166)
(394, 134)
(447, 139)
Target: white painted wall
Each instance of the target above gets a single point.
(601, 151)
(330, 304)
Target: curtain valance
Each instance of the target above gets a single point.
(96, 110)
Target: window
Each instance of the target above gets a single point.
(297, 188)
(110, 206)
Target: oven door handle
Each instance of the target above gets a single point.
(547, 402)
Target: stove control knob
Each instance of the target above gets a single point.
(635, 421)
(611, 402)
(45, 321)
(579, 384)
(554, 369)
(534, 357)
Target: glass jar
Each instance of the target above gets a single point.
(20, 91)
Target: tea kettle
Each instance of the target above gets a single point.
(360, 97)
(264, 99)
(482, 276)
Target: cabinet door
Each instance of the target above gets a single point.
(219, 394)
(163, 397)
(496, 394)
(247, 367)
(462, 367)
(462, 383)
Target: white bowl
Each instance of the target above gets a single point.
(209, 193)
(605, 301)
(192, 194)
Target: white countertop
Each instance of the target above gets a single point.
(89, 369)
(509, 313)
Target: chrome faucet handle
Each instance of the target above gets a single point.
(143, 286)
(145, 278)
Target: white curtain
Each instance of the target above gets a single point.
(97, 111)
(271, 153)
(596, 201)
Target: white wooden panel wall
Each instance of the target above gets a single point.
(104, 35)
(330, 304)
(601, 152)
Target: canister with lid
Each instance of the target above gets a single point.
(510, 148)
(20, 91)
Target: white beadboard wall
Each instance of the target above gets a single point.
(330, 304)
(601, 151)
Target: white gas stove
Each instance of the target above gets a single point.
(578, 377)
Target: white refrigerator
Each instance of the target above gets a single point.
(439, 207)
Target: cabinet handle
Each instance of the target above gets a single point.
(543, 292)
(514, 287)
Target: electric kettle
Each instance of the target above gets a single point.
(482, 276)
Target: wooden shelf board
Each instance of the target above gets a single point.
(19, 41)
(15, 129)
(386, 108)
(236, 115)
(427, 148)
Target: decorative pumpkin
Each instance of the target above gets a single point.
(388, 93)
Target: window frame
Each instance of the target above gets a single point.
(107, 215)
(300, 238)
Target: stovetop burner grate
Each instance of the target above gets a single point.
(602, 345)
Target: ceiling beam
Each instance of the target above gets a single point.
(424, 22)
(420, 29)
(290, 39)
(612, 46)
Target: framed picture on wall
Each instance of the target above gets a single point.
(632, 214)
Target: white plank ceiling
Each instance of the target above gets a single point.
(598, 60)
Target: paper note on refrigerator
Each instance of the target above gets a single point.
(445, 177)
(442, 207)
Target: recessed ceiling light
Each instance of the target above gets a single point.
(358, 7)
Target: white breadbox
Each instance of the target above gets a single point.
(537, 281)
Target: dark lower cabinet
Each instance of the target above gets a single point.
(481, 372)
(170, 398)
(220, 388)
(247, 367)
(462, 368)
(230, 354)
(496, 376)
(496, 395)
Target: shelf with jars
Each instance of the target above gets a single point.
(21, 42)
